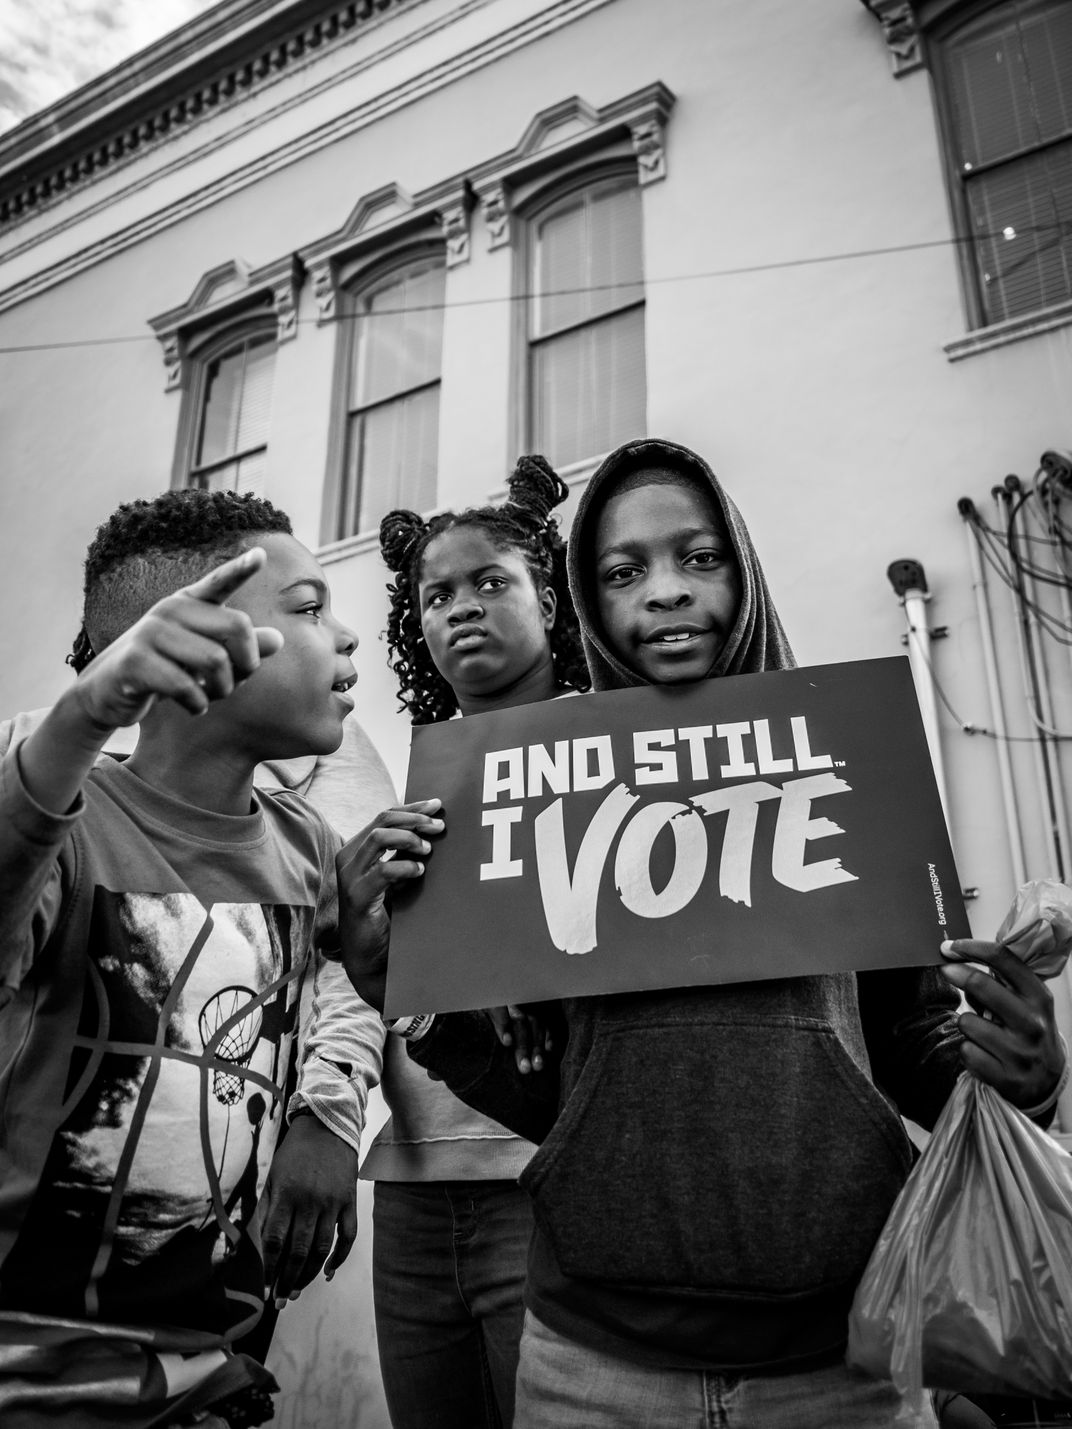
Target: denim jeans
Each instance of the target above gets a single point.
(448, 1267)
(564, 1385)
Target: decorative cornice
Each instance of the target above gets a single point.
(389, 216)
(324, 291)
(900, 29)
(496, 214)
(225, 294)
(572, 128)
(348, 121)
(647, 139)
(33, 181)
(454, 219)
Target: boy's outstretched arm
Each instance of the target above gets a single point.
(1018, 1049)
(189, 647)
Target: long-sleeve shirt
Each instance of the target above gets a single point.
(152, 954)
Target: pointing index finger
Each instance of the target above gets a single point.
(220, 584)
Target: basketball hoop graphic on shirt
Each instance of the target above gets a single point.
(237, 1043)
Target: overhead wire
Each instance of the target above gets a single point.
(527, 295)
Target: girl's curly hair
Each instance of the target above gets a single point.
(523, 524)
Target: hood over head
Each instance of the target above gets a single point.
(757, 641)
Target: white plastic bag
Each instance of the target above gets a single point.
(970, 1284)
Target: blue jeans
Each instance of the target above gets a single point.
(563, 1385)
(448, 1267)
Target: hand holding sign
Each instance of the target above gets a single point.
(754, 826)
(367, 867)
(524, 1030)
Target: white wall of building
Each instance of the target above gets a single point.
(819, 390)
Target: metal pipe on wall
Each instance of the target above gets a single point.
(1000, 497)
(910, 585)
(1040, 702)
(967, 510)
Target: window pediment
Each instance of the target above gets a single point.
(226, 295)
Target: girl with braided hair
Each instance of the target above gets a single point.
(480, 619)
(523, 527)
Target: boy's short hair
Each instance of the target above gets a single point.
(148, 549)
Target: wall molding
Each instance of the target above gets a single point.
(564, 132)
(142, 124)
(900, 30)
(226, 294)
(421, 85)
(381, 220)
(985, 339)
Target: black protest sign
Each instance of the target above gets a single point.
(736, 829)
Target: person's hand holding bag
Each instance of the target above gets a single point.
(970, 1284)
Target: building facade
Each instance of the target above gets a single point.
(355, 256)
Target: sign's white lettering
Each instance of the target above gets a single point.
(774, 825)
(570, 899)
(742, 749)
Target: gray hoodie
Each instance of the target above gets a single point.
(715, 1164)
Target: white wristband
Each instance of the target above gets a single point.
(1062, 1082)
(411, 1028)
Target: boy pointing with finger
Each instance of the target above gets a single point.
(156, 918)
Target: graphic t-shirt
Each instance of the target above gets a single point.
(145, 1045)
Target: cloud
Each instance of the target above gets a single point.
(50, 47)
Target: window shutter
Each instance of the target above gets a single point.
(1031, 199)
(231, 452)
(561, 270)
(223, 398)
(392, 436)
(588, 259)
(587, 379)
(400, 336)
(256, 402)
(616, 267)
(1010, 102)
(589, 387)
(1009, 79)
(393, 458)
(1047, 41)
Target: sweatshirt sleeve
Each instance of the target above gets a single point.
(341, 1056)
(462, 1050)
(910, 1027)
(31, 877)
(340, 1053)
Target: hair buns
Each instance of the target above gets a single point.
(399, 533)
(535, 487)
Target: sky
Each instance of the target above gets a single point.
(50, 47)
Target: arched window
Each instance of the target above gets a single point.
(232, 395)
(395, 341)
(1003, 78)
(585, 374)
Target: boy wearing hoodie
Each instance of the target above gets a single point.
(715, 1164)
